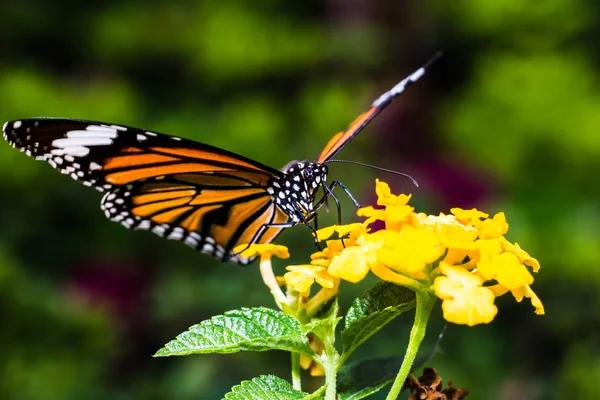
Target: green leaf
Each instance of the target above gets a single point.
(265, 387)
(318, 394)
(247, 329)
(324, 323)
(366, 392)
(372, 311)
(360, 379)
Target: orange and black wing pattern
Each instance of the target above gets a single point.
(209, 198)
(340, 140)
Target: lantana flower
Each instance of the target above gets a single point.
(462, 258)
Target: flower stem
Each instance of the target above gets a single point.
(266, 270)
(330, 372)
(425, 302)
(296, 378)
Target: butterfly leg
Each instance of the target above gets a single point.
(337, 202)
(345, 189)
(306, 221)
(329, 193)
(315, 228)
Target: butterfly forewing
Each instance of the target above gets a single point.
(106, 155)
(209, 198)
(337, 142)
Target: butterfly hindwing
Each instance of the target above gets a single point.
(212, 217)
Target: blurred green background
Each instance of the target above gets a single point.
(508, 121)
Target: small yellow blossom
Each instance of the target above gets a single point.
(525, 291)
(334, 247)
(350, 231)
(468, 217)
(352, 264)
(465, 301)
(457, 236)
(385, 196)
(408, 251)
(396, 213)
(508, 270)
(301, 277)
(524, 257)
(487, 250)
(493, 228)
(263, 250)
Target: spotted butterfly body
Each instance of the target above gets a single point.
(209, 198)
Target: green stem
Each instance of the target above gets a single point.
(425, 302)
(296, 377)
(330, 372)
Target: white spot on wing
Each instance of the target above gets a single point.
(176, 235)
(190, 241)
(103, 132)
(145, 224)
(81, 141)
(141, 137)
(159, 230)
(77, 151)
(95, 166)
(16, 125)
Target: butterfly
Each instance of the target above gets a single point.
(209, 198)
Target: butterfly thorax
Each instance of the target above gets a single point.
(295, 192)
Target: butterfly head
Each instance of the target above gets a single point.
(295, 191)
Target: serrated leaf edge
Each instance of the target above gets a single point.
(245, 344)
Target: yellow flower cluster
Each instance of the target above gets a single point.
(463, 258)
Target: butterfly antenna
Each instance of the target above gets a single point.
(397, 90)
(413, 180)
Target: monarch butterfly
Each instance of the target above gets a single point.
(211, 199)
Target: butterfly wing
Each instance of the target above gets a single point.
(207, 197)
(211, 213)
(340, 140)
